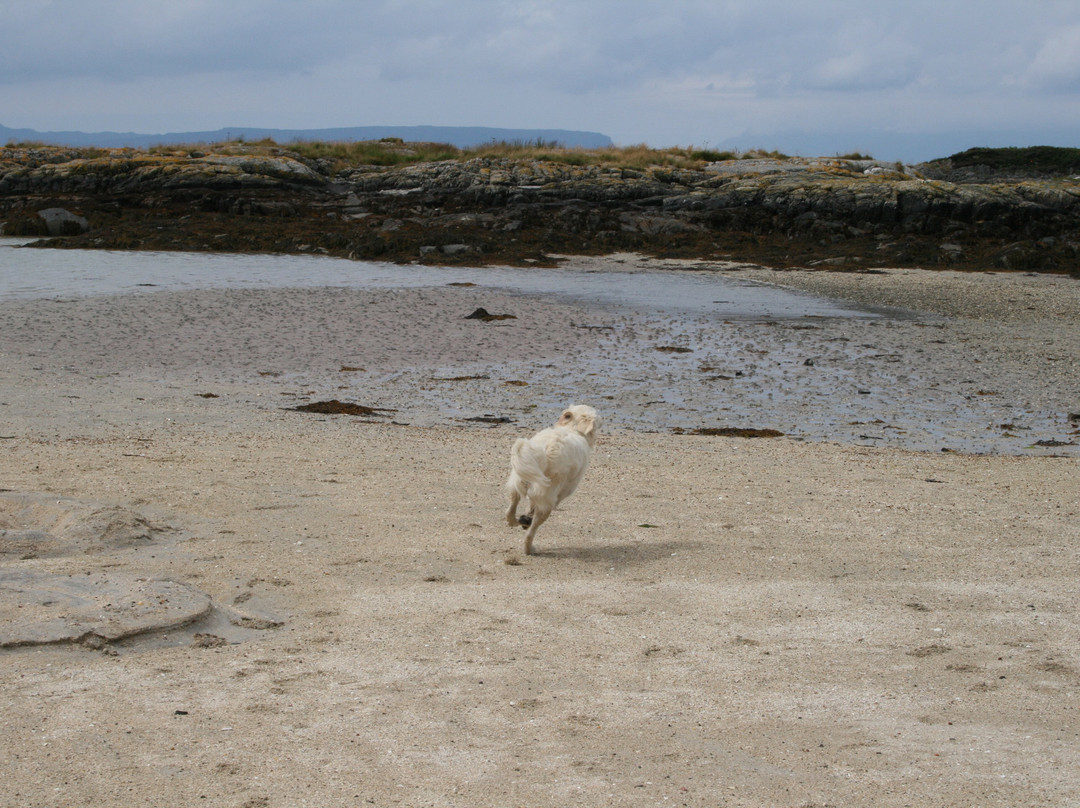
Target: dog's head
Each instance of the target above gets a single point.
(580, 418)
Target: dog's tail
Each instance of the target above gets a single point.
(524, 464)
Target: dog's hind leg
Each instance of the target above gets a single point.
(538, 518)
(511, 512)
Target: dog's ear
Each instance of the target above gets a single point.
(566, 418)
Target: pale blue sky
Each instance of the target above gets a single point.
(902, 80)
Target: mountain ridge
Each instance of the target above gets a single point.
(460, 136)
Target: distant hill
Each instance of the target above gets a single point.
(460, 136)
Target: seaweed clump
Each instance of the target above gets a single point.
(730, 432)
(335, 407)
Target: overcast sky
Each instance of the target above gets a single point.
(896, 79)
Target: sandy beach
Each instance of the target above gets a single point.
(210, 598)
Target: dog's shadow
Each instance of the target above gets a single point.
(624, 554)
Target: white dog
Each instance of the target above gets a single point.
(547, 467)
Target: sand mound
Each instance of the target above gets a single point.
(39, 607)
(36, 525)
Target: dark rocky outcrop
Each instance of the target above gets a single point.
(834, 213)
(984, 165)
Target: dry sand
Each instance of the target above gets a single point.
(709, 621)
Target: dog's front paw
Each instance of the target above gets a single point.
(524, 520)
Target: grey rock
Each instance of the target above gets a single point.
(63, 222)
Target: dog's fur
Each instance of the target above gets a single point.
(547, 467)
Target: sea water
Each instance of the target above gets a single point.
(42, 273)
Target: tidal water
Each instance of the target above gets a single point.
(44, 273)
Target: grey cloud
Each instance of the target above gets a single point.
(666, 71)
(1056, 65)
(121, 40)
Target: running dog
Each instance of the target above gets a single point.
(547, 467)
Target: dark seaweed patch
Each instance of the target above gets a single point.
(730, 432)
(485, 316)
(335, 407)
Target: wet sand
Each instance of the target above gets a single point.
(930, 361)
(793, 621)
